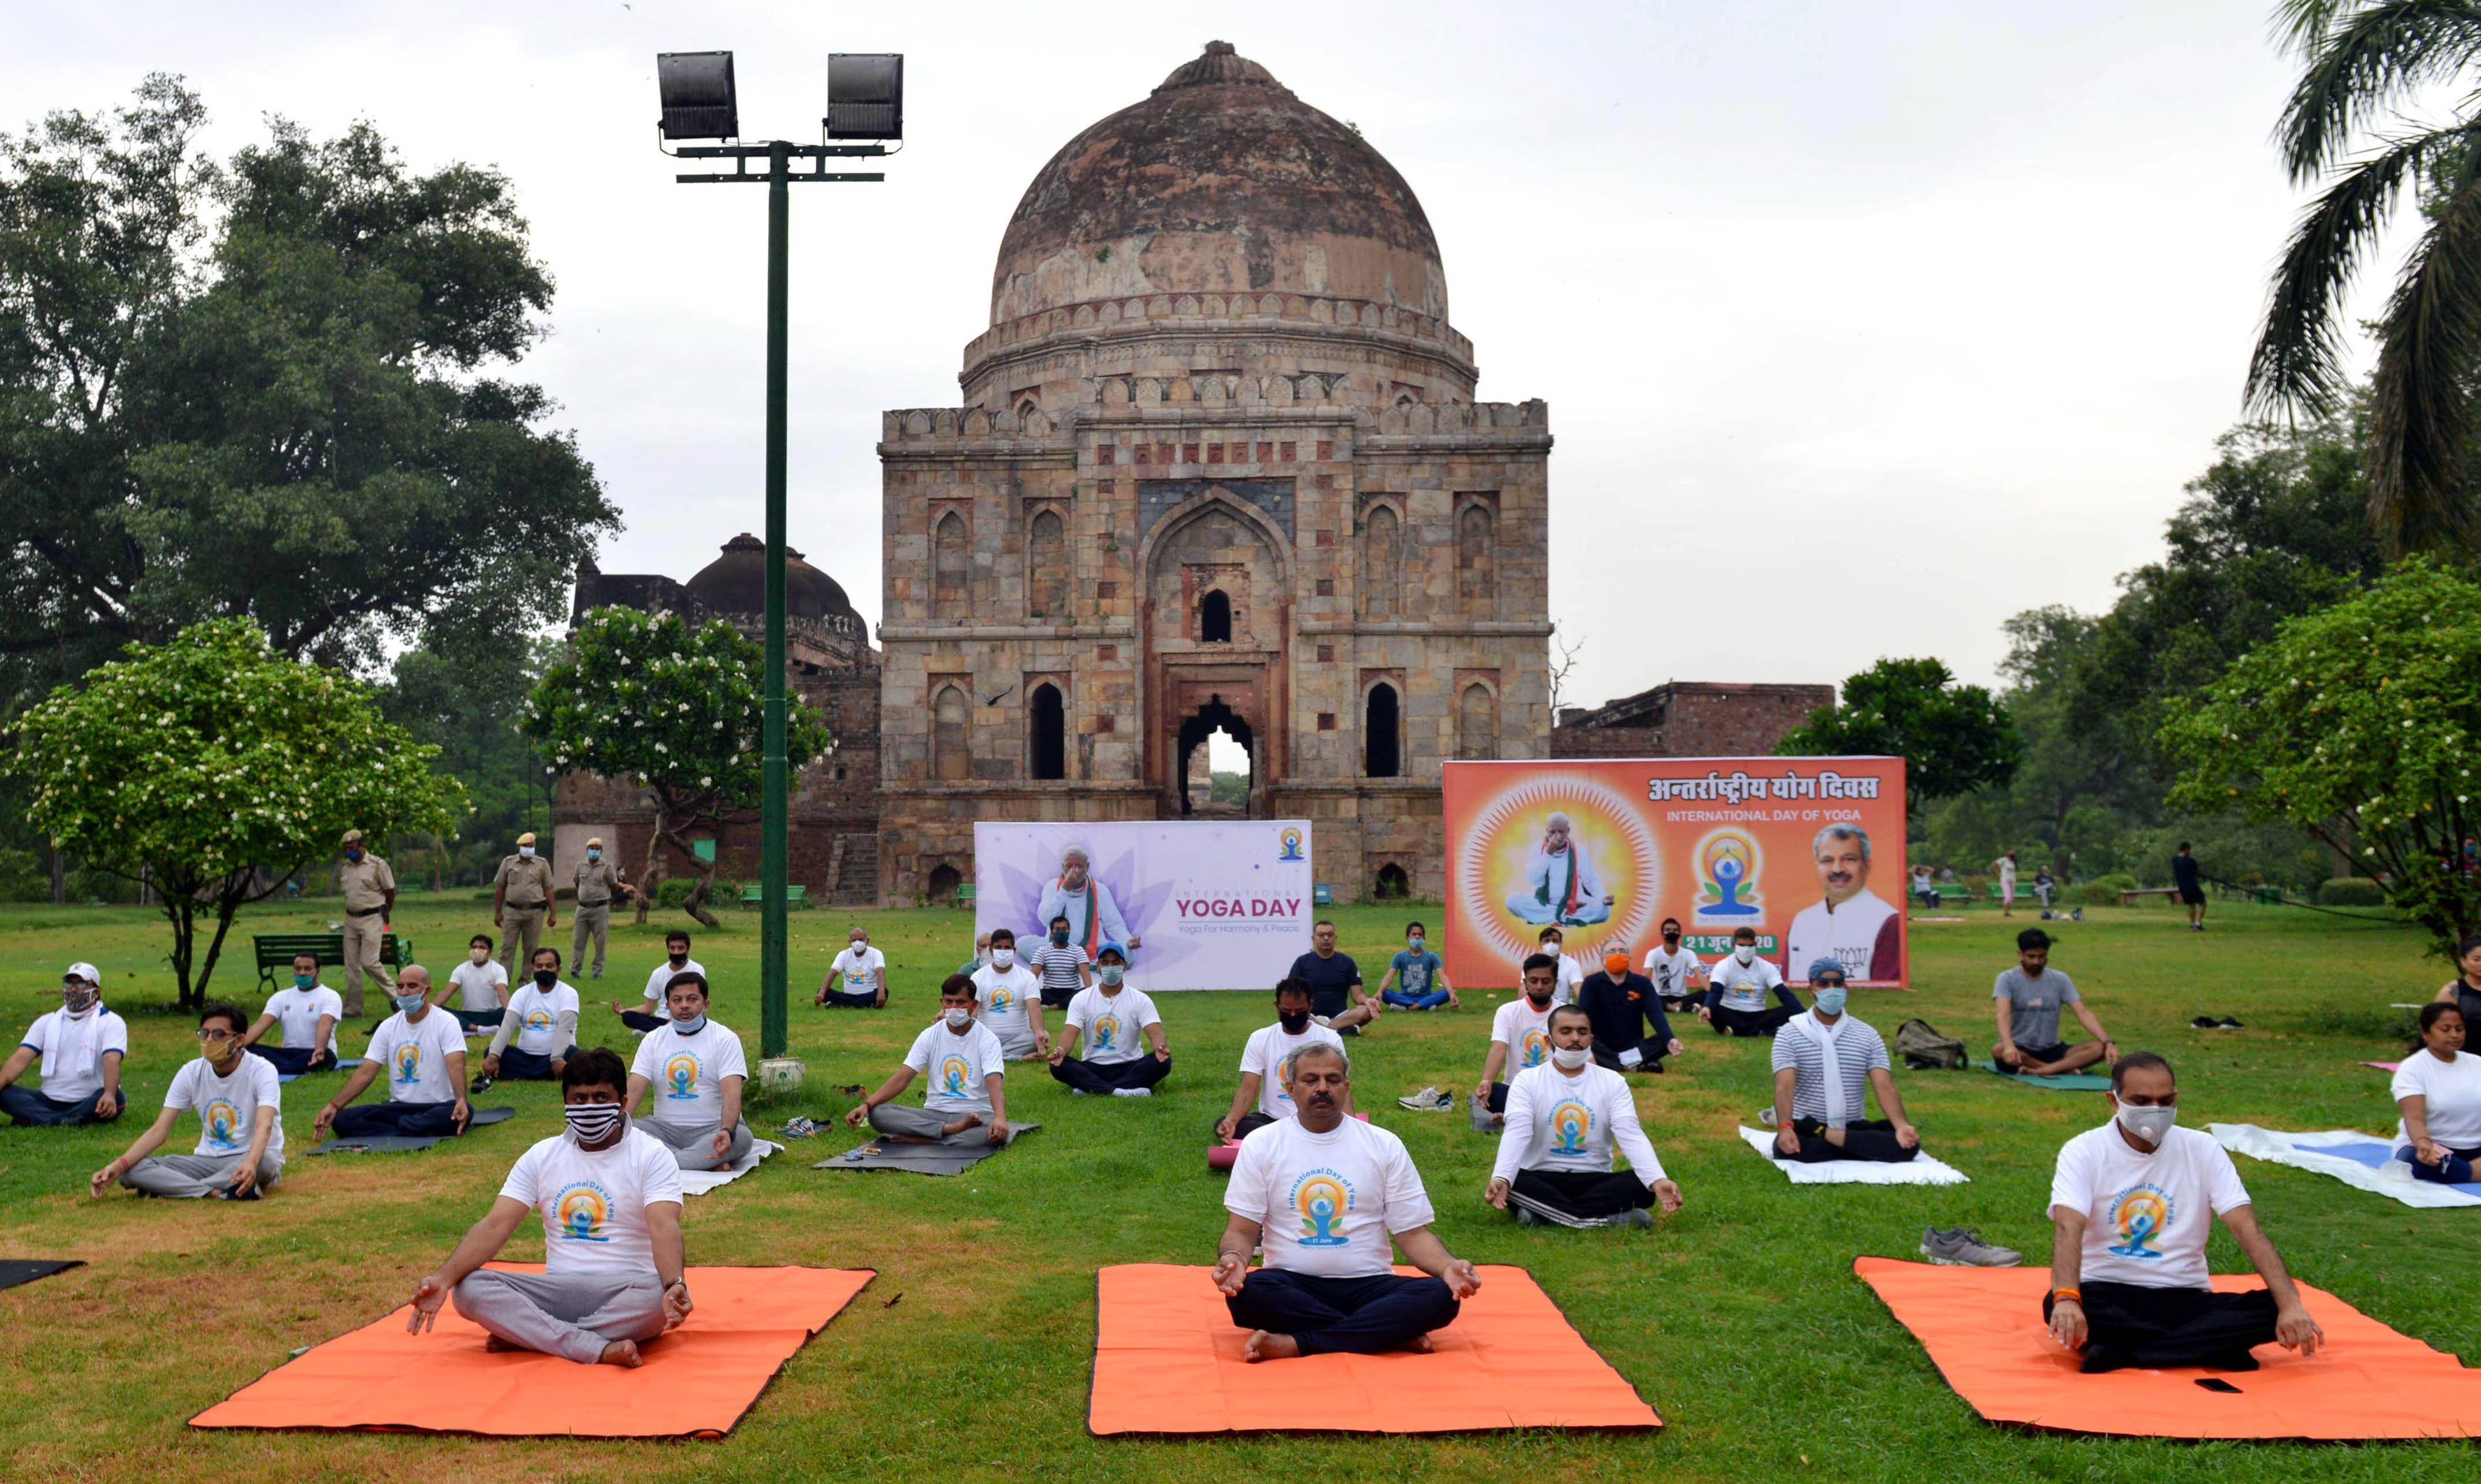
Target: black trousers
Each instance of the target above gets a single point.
(1110, 1076)
(1251, 1123)
(640, 1020)
(1746, 1022)
(2127, 1325)
(294, 1060)
(413, 1120)
(519, 1065)
(1357, 1316)
(1606, 1055)
(867, 999)
(1056, 996)
(1864, 1138)
(1584, 1193)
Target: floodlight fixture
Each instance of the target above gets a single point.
(866, 95)
(698, 97)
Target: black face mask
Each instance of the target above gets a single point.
(546, 978)
(1293, 1024)
(1671, 937)
(681, 957)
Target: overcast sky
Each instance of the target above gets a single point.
(1862, 326)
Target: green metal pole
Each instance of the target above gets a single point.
(774, 833)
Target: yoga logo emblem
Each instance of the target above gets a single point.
(1322, 1198)
(1572, 1123)
(1291, 839)
(1002, 1001)
(582, 1211)
(408, 1062)
(1534, 1046)
(953, 1073)
(539, 1020)
(1106, 1033)
(680, 1074)
(1727, 864)
(2139, 1215)
(223, 1124)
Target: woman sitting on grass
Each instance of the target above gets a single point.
(2439, 1088)
(2463, 991)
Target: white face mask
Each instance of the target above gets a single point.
(957, 1017)
(1003, 959)
(1570, 1058)
(526, 851)
(1746, 953)
(2149, 1124)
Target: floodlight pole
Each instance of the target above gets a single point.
(775, 774)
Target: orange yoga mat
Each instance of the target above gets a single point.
(697, 1380)
(1983, 1329)
(1167, 1360)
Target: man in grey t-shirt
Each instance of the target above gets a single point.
(2026, 1002)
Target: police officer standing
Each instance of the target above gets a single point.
(598, 881)
(522, 905)
(369, 890)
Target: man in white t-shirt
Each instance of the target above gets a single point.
(652, 1015)
(241, 1125)
(2131, 1203)
(863, 969)
(1109, 1019)
(1736, 990)
(1323, 1192)
(968, 1079)
(1675, 970)
(692, 1069)
(1572, 975)
(1011, 997)
(1266, 1063)
(609, 1198)
(421, 1051)
(1563, 1117)
(540, 1030)
(481, 985)
(1849, 923)
(307, 1011)
(1520, 1037)
(81, 1044)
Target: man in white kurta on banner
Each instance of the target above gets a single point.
(1561, 885)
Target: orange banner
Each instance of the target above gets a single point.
(1807, 853)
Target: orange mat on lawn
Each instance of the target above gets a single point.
(697, 1380)
(1167, 1360)
(1983, 1329)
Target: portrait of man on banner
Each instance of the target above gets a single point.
(1850, 923)
(1080, 895)
(1560, 886)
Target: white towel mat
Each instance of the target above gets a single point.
(1918, 1170)
(700, 1181)
(2390, 1178)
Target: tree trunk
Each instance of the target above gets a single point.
(695, 905)
(60, 878)
(177, 907)
(648, 877)
(228, 902)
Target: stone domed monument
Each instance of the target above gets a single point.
(1218, 466)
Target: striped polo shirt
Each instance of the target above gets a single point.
(1058, 965)
(1859, 1051)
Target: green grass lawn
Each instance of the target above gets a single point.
(1738, 1319)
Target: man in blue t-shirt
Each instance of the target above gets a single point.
(1416, 980)
(1337, 999)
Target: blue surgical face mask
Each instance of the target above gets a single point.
(305, 980)
(1831, 1001)
(1413, 945)
(1060, 936)
(409, 1004)
(1111, 973)
(691, 1027)
(594, 855)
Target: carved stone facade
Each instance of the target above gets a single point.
(1688, 720)
(1217, 464)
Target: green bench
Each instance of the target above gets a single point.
(795, 894)
(964, 893)
(277, 950)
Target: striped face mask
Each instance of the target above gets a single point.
(593, 1122)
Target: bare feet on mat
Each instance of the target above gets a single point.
(1419, 1345)
(1263, 1346)
(495, 1344)
(969, 1120)
(622, 1353)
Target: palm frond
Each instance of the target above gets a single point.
(2298, 363)
(2299, 25)
(2366, 63)
(2421, 398)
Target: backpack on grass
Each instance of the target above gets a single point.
(1925, 1049)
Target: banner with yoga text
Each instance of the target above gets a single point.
(1222, 905)
(1809, 852)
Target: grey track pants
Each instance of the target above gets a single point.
(566, 1316)
(694, 1144)
(191, 1176)
(923, 1123)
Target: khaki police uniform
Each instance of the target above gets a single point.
(597, 881)
(528, 880)
(365, 885)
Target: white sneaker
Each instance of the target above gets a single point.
(1133, 1092)
(1421, 1101)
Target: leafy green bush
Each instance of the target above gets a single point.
(2351, 891)
(2092, 894)
(673, 892)
(2116, 880)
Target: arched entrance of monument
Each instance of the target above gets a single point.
(1197, 747)
(1215, 624)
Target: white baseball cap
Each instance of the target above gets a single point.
(87, 972)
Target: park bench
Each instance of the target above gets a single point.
(277, 950)
(795, 894)
(2128, 895)
(1321, 895)
(964, 893)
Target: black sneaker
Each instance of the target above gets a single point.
(480, 1084)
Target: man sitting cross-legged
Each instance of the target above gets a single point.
(1826, 1062)
(82, 1045)
(610, 1205)
(968, 1072)
(309, 1011)
(1324, 1192)
(1736, 990)
(1108, 1017)
(1562, 1120)
(2131, 1203)
(1266, 1063)
(1520, 1033)
(2026, 1002)
(650, 1013)
(1010, 997)
(421, 1051)
(1630, 1031)
(538, 1032)
(693, 1068)
(241, 1127)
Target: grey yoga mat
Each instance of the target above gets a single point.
(16, 1271)
(407, 1143)
(886, 1154)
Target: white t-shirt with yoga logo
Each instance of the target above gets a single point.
(1004, 994)
(1328, 1205)
(686, 1073)
(863, 969)
(1557, 1122)
(1108, 1026)
(956, 1066)
(593, 1204)
(297, 1012)
(227, 1106)
(2147, 1216)
(1524, 1032)
(412, 1056)
(1270, 1053)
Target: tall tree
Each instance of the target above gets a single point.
(463, 691)
(263, 389)
(2363, 61)
(1953, 738)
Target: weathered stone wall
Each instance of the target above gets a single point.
(1690, 719)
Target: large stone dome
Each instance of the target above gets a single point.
(735, 582)
(1220, 182)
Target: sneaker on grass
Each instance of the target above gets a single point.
(1133, 1092)
(1963, 1247)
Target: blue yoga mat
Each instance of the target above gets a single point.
(2376, 1156)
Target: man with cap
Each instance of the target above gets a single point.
(522, 904)
(81, 1044)
(1109, 1017)
(369, 890)
(1631, 1033)
(597, 882)
(1826, 1063)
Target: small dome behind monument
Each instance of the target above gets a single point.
(735, 582)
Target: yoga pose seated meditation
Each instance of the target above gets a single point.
(241, 1127)
(2130, 1204)
(1826, 1064)
(610, 1205)
(1736, 991)
(1009, 995)
(1323, 1192)
(308, 1012)
(2437, 1088)
(81, 1044)
(1562, 1120)
(650, 1013)
(542, 1023)
(1520, 1033)
(1266, 1063)
(1630, 1031)
(968, 1072)
(1109, 1019)
(694, 1070)
(2026, 1002)
(421, 1051)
